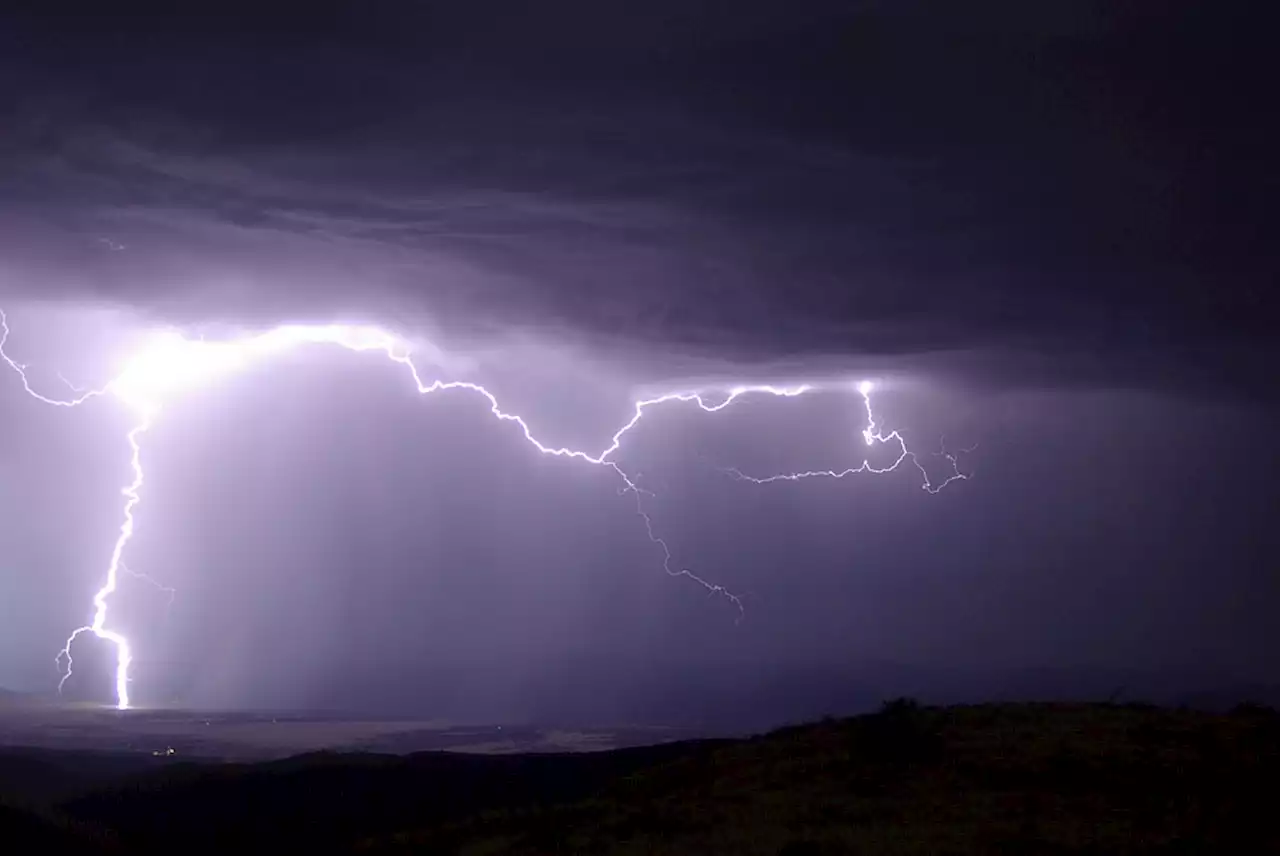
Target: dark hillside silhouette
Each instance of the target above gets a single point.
(1017, 778)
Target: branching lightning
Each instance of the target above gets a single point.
(171, 363)
(151, 581)
(124, 655)
(872, 435)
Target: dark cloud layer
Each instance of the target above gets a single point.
(1041, 217)
(1081, 186)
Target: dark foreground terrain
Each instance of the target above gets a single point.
(979, 779)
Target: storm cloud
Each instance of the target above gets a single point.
(751, 183)
(1046, 223)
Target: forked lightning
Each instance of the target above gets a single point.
(170, 363)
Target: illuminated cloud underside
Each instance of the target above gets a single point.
(170, 363)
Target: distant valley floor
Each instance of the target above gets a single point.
(252, 736)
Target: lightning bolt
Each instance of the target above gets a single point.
(124, 655)
(151, 581)
(872, 436)
(171, 363)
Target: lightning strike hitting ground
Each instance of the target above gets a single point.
(172, 363)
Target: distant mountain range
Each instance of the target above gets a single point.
(14, 698)
(740, 699)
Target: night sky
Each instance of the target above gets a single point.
(1040, 226)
